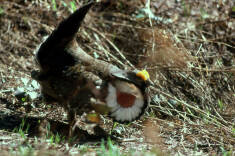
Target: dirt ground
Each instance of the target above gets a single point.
(188, 47)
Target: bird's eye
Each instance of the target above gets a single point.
(143, 74)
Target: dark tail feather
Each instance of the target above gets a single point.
(53, 48)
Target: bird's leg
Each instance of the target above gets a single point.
(72, 121)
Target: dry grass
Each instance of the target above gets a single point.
(162, 51)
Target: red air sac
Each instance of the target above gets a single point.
(125, 100)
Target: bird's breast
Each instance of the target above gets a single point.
(125, 99)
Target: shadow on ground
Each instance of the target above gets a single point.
(41, 127)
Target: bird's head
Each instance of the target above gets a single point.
(137, 77)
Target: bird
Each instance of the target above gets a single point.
(68, 75)
(127, 95)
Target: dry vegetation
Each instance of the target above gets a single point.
(188, 47)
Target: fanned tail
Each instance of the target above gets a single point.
(52, 53)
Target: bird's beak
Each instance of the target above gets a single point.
(149, 83)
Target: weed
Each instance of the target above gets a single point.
(113, 127)
(72, 139)
(220, 104)
(54, 7)
(225, 152)
(1, 11)
(204, 14)
(233, 131)
(48, 129)
(73, 6)
(22, 130)
(83, 149)
(111, 150)
(58, 138)
(186, 7)
(51, 139)
(25, 151)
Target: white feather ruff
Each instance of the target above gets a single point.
(120, 113)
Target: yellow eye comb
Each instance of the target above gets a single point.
(143, 74)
